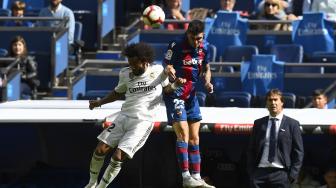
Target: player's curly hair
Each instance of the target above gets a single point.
(140, 50)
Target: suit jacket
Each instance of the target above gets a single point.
(289, 145)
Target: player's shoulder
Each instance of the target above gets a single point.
(157, 67)
(124, 71)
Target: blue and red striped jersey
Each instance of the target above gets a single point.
(189, 63)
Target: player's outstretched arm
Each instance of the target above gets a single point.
(111, 97)
(172, 87)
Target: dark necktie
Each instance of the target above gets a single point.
(272, 143)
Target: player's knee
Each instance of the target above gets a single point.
(119, 155)
(194, 140)
(102, 149)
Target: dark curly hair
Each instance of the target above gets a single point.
(141, 50)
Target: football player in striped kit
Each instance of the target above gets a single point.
(187, 58)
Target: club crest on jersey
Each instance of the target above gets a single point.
(169, 54)
(192, 61)
(152, 75)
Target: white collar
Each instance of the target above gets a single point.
(278, 117)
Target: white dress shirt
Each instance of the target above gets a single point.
(264, 163)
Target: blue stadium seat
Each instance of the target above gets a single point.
(240, 53)
(325, 57)
(289, 99)
(5, 12)
(3, 52)
(308, 33)
(227, 29)
(233, 99)
(201, 96)
(212, 52)
(292, 53)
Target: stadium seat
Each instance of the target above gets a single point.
(212, 52)
(266, 66)
(306, 31)
(240, 53)
(291, 53)
(325, 57)
(227, 29)
(237, 54)
(5, 12)
(3, 52)
(233, 99)
(201, 96)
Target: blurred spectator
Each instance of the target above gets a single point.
(57, 10)
(286, 5)
(18, 9)
(173, 10)
(328, 7)
(228, 5)
(26, 65)
(320, 100)
(273, 10)
(298, 7)
(330, 177)
(305, 180)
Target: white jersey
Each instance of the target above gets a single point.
(143, 93)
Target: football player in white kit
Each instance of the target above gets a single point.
(142, 84)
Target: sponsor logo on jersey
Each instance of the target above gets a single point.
(192, 61)
(141, 87)
(152, 75)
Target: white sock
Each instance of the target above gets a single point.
(185, 174)
(111, 172)
(96, 164)
(196, 176)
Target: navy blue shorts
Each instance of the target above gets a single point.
(180, 110)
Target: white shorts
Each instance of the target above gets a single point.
(128, 134)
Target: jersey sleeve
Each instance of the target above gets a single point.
(170, 54)
(122, 84)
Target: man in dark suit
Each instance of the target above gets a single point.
(275, 151)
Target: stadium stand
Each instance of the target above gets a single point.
(47, 130)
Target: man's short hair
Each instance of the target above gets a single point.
(140, 50)
(195, 27)
(318, 92)
(274, 92)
